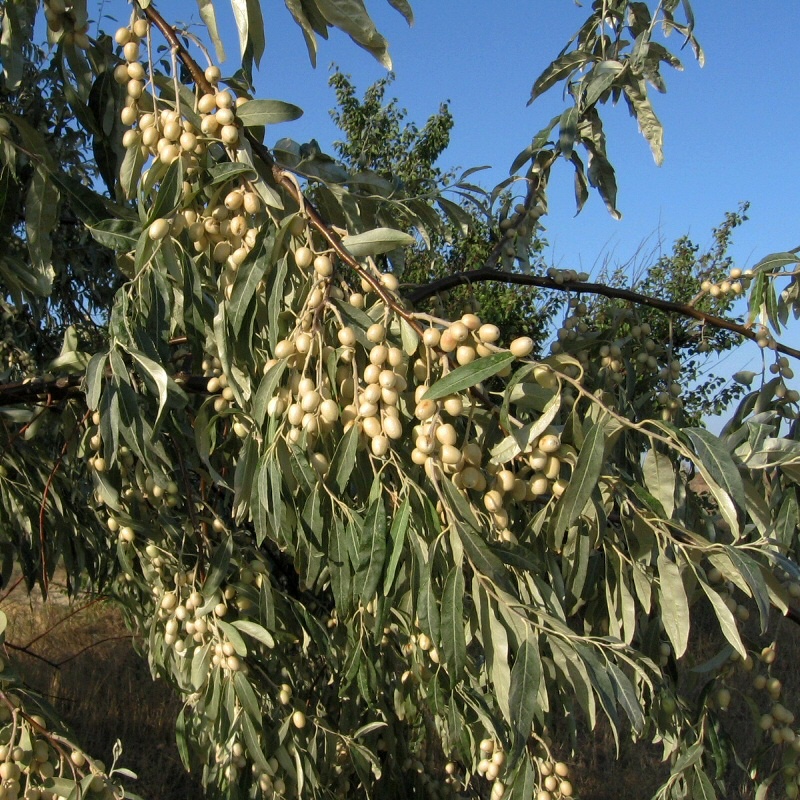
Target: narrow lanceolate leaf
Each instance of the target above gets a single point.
(404, 8)
(775, 262)
(397, 536)
(255, 630)
(649, 124)
(377, 241)
(557, 71)
(525, 677)
(267, 112)
(480, 555)
(209, 17)
(659, 477)
(727, 622)
(344, 459)
(581, 484)
(258, 42)
(248, 276)
(95, 377)
(247, 697)
(372, 551)
(170, 192)
(469, 375)
(41, 214)
(427, 605)
(296, 9)
(266, 390)
(602, 176)
(242, 23)
(253, 744)
(674, 605)
(495, 648)
(718, 461)
(161, 381)
(452, 623)
(351, 16)
(232, 635)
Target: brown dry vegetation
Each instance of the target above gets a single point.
(104, 690)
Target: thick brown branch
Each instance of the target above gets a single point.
(283, 179)
(682, 309)
(40, 389)
(198, 76)
(50, 391)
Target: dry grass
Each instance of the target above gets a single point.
(102, 689)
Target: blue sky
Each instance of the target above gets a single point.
(726, 124)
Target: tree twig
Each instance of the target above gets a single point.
(485, 274)
(71, 614)
(30, 653)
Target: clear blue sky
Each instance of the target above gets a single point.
(727, 125)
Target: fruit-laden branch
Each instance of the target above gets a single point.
(667, 306)
(282, 177)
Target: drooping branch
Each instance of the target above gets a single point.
(488, 273)
(682, 309)
(41, 389)
(282, 177)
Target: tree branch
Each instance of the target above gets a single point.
(490, 274)
(40, 389)
(281, 177)
(68, 386)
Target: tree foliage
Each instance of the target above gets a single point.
(376, 550)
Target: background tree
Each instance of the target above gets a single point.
(375, 551)
(376, 138)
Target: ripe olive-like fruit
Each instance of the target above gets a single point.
(225, 116)
(323, 266)
(229, 134)
(121, 74)
(549, 443)
(303, 257)
(376, 333)
(131, 51)
(299, 720)
(431, 337)
(9, 771)
(521, 347)
(158, 229)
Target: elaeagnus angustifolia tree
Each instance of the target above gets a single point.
(377, 552)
